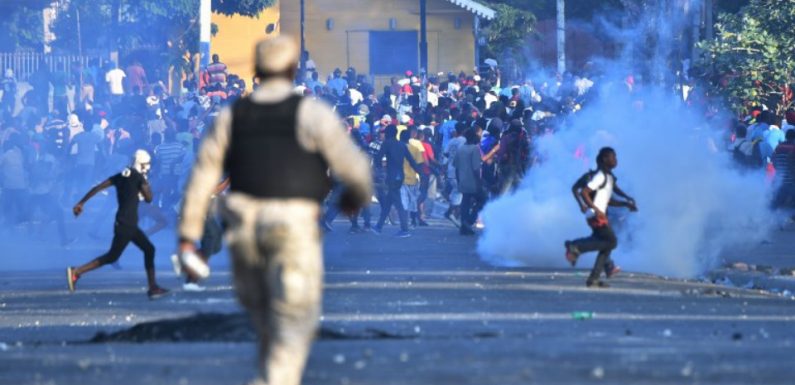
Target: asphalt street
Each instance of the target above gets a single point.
(422, 310)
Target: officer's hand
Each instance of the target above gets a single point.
(78, 209)
(185, 246)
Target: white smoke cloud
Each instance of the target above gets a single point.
(693, 202)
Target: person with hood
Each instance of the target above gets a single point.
(131, 187)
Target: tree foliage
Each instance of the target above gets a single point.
(507, 32)
(21, 24)
(126, 24)
(751, 58)
(161, 33)
(241, 7)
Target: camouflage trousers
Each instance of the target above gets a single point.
(276, 251)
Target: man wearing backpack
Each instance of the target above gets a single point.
(594, 197)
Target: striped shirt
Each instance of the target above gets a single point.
(169, 156)
(784, 163)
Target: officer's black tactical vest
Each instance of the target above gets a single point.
(264, 159)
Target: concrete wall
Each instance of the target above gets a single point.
(236, 37)
(346, 44)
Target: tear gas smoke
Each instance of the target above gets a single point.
(693, 202)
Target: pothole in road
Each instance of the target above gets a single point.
(236, 327)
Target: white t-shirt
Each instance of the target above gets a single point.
(603, 194)
(115, 77)
(356, 96)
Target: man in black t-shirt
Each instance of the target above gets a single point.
(131, 186)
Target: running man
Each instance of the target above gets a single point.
(596, 196)
(131, 186)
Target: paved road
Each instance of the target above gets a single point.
(423, 310)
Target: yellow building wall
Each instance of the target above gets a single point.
(347, 43)
(237, 35)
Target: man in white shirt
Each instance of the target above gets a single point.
(115, 80)
(596, 196)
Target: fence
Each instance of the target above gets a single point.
(26, 63)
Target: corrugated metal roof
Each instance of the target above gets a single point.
(476, 8)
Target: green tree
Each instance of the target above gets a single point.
(21, 25)
(505, 35)
(751, 58)
(162, 33)
(126, 24)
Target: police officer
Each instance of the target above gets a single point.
(276, 147)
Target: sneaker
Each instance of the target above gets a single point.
(354, 230)
(403, 234)
(465, 230)
(192, 286)
(597, 283)
(71, 279)
(572, 253)
(156, 292)
(612, 270)
(423, 223)
(375, 230)
(479, 224)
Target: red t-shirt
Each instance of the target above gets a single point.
(136, 76)
(429, 156)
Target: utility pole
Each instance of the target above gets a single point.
(696, 8)
(561, 36)
(709, 23)
(476, 33)
(302, 66)
(115, 11)
(423, 36)
(205, 31)
(79, 90)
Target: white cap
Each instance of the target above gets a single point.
(276, 54)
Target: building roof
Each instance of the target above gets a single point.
(476, 8)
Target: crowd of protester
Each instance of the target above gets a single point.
(458, 139)
(452, 139)
(63, 132)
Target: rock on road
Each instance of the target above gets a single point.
(422, 310)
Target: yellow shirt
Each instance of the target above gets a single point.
(400, 128)
(410, 177)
